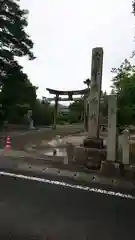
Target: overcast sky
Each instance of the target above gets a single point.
(64, 33)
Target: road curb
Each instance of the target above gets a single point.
(45, 169)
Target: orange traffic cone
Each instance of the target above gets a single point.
(8, 143)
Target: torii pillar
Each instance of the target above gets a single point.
(55, 112)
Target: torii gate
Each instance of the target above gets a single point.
(70, 95)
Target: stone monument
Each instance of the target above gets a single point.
(93, 144)
(93, 140)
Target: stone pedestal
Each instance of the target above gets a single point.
(93, 143)
(94, 158)
(89, 157)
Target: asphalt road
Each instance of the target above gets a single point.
(38, 210)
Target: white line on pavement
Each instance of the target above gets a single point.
(64, 184)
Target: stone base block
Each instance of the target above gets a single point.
(110, 169)
(96, 153)
(89, 156)
(93, 143)
(93, 163)
(80, 155)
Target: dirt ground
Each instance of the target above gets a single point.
(21, 139)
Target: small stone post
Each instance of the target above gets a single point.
(111, 141)
(125, 147)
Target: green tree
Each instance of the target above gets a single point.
(14, 41)
(133, 6)
(17, 93)
(16, 89)
(124, 87)
(76, 109)
(87, 82)
(43, 113)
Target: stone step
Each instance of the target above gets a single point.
(96, 152)
(93, 143)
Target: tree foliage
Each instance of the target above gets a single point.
(133, 6)
(14, 41)
(43, 113)
(87, 82)
(17, 91)
(124, 87)
(18, 95)
(76, 110)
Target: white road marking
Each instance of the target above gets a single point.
(64, 184)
